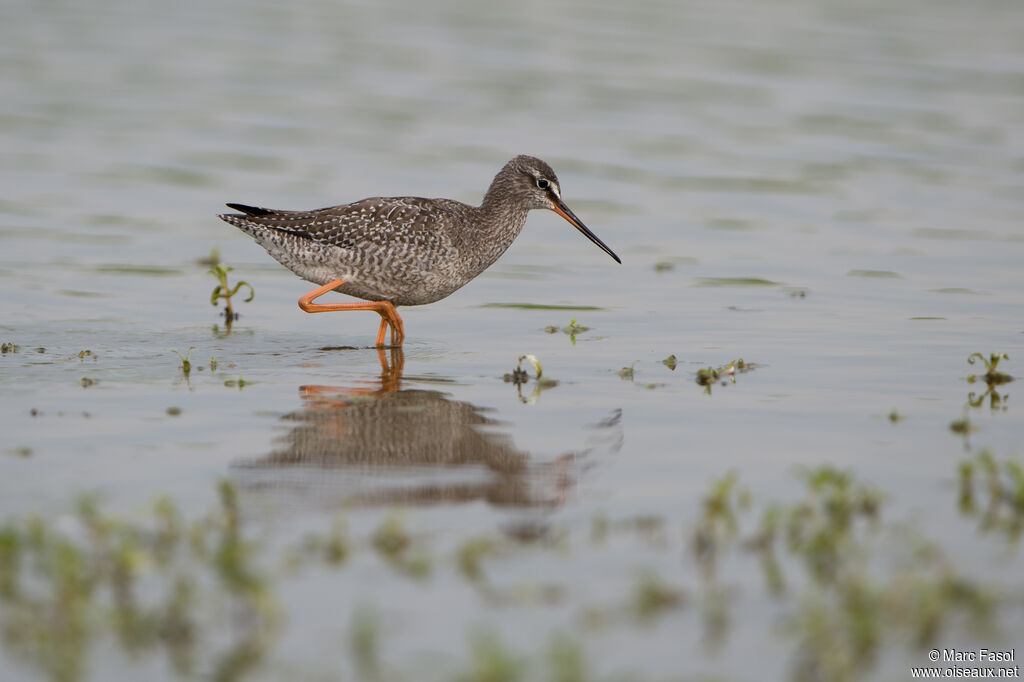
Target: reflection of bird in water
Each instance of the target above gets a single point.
(395, 251)
(386, 445)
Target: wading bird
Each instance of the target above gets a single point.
(394, 251)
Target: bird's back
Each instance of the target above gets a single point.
(400, 249)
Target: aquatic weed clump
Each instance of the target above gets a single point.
(519, 377)
(717, 526)
(710, 375)
(993, 492)
(846, 586)
(571, 330)
(154, 584)
(395, 545)
(992, 375)
(848, 607)
(992, 378)
(186, 362)
(821, 530)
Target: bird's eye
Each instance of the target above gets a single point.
(543, 183)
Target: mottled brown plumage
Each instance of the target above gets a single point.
(405, 250)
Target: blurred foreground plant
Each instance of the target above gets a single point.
(63, 582)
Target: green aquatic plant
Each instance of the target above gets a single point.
(572, 329)
(541, 306)
(993, 492)
(66, 585)
(670, 362)
(240, 383)
(490, 661)
(992, 376)
(471, 554)
(652, 596)
(763, 543)
(391, 539)
(6, 348)
(839, 631)
(996, 400)
(717, 524)
(225, 291)
(199, 592)
(735, 282)
(711, 375)
(848, 612)
(334, 547)
(822, 529)
(962, 426)
(186, 363)
(519, 377)
(393, 543)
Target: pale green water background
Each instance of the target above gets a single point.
(866, 160)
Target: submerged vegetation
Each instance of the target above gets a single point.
(541, 306)
(186, 366)
(993, 492)
(520, 377)
(186, 362)
(206, 592)
(211, 593)
(571, 329)
(711, 375)
(162, 583)
(992, 375)
(992, 378)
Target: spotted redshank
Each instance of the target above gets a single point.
(394, 251)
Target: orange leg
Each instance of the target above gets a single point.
(386, 310)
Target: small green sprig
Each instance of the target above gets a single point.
(226, 291)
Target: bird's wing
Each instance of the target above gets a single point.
(376, 221)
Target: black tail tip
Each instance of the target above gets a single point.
(249, 210)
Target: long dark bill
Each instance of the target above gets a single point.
(559, 207)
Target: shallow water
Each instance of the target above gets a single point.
(833, 193)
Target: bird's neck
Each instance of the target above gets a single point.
(499, 220)
(502, 216)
